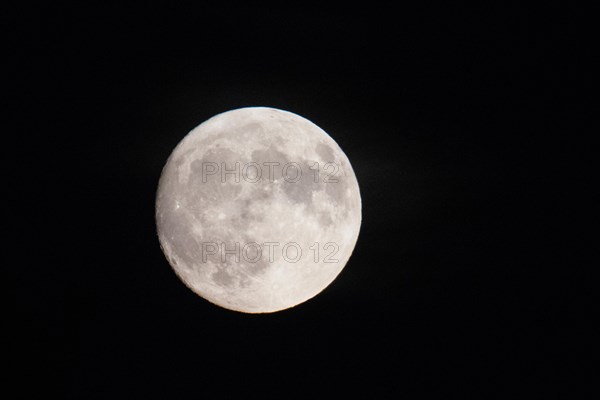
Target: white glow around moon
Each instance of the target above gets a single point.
(258, 210)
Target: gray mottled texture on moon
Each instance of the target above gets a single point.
(191, 210)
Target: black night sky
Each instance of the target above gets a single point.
(458, 284)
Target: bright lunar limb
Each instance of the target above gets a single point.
(258, 210)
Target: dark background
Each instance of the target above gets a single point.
(451, 117)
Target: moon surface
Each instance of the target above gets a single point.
(258, 210)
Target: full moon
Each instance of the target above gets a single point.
(258, 210)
